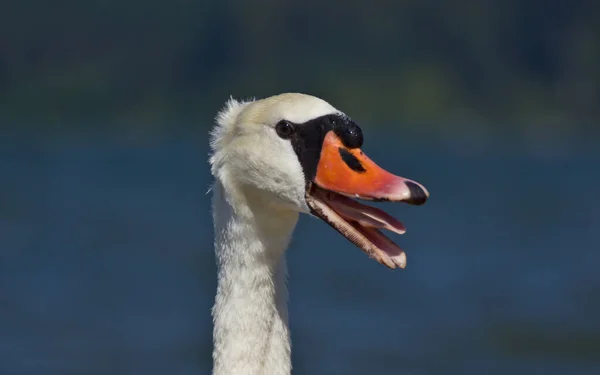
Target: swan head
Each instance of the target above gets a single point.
(298, 153)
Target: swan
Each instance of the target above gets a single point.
(271, 160)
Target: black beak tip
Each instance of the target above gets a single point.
(418, 196)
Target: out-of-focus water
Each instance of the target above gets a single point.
(107, 267)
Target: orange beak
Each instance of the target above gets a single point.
(350, 172)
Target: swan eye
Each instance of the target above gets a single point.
(284, 129)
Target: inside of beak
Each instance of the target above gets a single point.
(350, 172)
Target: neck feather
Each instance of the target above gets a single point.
(251, 334)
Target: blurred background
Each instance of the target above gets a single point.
(106, 259)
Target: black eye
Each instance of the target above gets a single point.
(284, 129)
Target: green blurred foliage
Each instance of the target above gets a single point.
(533, 64)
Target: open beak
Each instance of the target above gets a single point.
(344, 173)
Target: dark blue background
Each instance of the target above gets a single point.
(107, 266)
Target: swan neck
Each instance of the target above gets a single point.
(250, 315)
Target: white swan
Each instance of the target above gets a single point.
(272, 159)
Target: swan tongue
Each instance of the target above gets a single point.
(359, 224)
(366, 216)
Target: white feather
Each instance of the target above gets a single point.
(257, 197)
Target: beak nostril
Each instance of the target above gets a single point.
(417, 194)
